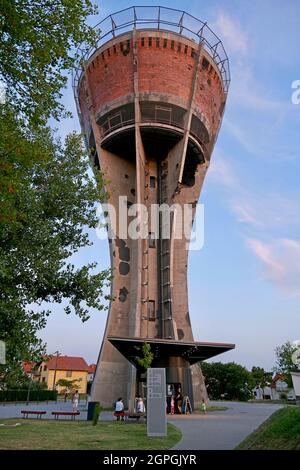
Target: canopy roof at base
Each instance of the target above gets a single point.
(131, 348)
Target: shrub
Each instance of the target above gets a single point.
(22, 395)
(96, 413)
(283, 396)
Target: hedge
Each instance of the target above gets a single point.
(22, 395)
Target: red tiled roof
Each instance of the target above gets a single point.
(92, 368)
(67, 363)
(276, 378)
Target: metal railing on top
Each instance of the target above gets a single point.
(159, 18)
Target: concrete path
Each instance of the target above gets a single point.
(14, 411)
(221, 430)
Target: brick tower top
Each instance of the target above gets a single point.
(171, 46)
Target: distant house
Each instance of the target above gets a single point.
(262, 393)
(91, 372)
(54, 368)
(280, 387)
(275, 390)
(31, 369)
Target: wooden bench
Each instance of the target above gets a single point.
(38, 414)
(73, 414)
(136, 416)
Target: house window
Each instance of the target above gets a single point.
(152, 181)
(69, 373)
(45, 368)
(152, 241)
(151, 307)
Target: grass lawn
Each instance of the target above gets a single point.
(49, 434)
(280, 432)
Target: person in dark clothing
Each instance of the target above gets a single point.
(178, 401)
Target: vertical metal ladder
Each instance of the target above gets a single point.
(164, 256)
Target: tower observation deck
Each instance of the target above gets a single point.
(150, 98)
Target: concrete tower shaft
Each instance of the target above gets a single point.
(151, 101)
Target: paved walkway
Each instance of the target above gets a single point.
(14, 411)
(221, 430)
(214, 431)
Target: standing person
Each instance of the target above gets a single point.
(75, 401)
(178, 401)
(140, 407)
(119, 409)
(66, 395)
(203, 407)
(172, 405)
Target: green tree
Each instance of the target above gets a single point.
(38, 43)
(69, 385)
(260, 377)
(147, 356)
(47, 204)
(230, 381)
(284, 362)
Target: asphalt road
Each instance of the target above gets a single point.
(221, 430)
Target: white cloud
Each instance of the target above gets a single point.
(231, 33)
(281, 263)
(221, 171)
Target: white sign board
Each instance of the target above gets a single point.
(2, 352)
(156, 402)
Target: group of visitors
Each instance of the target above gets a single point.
(175, 403)
(119, 412)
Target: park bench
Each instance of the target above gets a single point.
(38, 414)
(73, 414)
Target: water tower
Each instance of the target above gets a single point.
(150, 98)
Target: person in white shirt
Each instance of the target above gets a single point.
(140, 407)
(119, 409)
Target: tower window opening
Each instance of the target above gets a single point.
(157, 42)
(115, 50)
(149, 42)
(151, 310)
(172, 44)
(205, 63)
(108, 52)
(193, 53)
(152, 240)
(152, 181)
(185, 49)
(165, 43)
(179, 47)
(142, 42)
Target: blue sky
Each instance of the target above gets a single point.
(244, 285)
